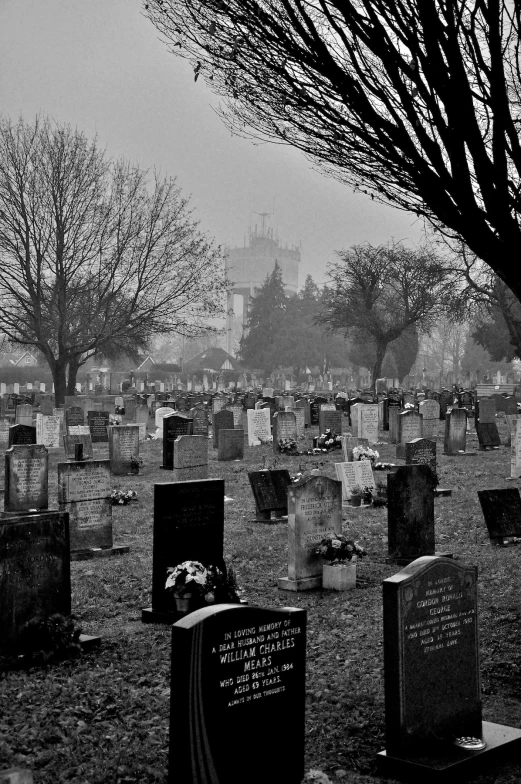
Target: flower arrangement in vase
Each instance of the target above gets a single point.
(362, 452)
(342, 553)
(194, 585)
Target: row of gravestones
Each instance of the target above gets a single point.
(240, 671)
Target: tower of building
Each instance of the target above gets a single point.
(248, 267)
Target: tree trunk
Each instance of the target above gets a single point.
(74, 366)
(59, 377)
(381, 348)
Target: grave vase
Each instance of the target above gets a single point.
(356, 500)
(340, 576)
(184, 604)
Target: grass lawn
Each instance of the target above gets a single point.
(104, 717)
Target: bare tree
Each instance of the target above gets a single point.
(416, 102)
(93, 258)
(376, 294)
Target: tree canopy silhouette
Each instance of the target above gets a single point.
(416, 102)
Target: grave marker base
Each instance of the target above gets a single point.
(306, 584)
(404, 561)
(88, 642)
(149, 615)
(441, 492)
(99, 552)
(447, 763)
(265, 516)
(460, 454)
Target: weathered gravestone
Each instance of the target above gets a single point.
(348, 444)
(486, 410)
(314, 512)
(409, 427)
(303, 403)
(161, 413)
(174, 425)
(300, 421)
(98, 424)
(188, 526)
(48, 431)
(515, 446)
(421, 451)
(368, 422)
(24, 414)
(394, 412)
(35, 574)
(199, 417)
(221, 419)
(411, 512)
(434, 730)
(84, 490)
(259, 428)
(231, 444)
(123, 445)
(284, 428)
(430, 414)
(488, 435)
(70, 441)
(270, 491)
(26, 478)
(21, 434)
(355, 474)
(74, 416)
(456, 433)
(190, 460)
(329, 419)
(237, 413)
(238, 672)
(4, 431)
(502, 512)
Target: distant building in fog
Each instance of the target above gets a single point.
(248, 267)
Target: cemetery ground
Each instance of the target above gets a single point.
(103, 717)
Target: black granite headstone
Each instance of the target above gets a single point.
(174, 425)
(22, 434)
(421, 451)
(98, 422)
(411, 512)
(488, 435)
(188, 526)
(270, 490)
(502, 512)
(34, 573)
(238, 677)
(221, 419)
(434, 730)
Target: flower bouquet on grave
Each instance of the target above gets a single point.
(135, 464)
(342, 553)
(122, 497)
(113, 420)
(367, 495)
(186, 582)
(383, 466)
(339, 549)
(357, 492)
(362, 452)
(288, 446)
(409, 406)
(326, 441)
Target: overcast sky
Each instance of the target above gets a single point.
(99, 65)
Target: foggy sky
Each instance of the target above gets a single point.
(99, 65)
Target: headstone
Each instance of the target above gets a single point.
(270, 491)
(329, 419)
(410, 500)
(515, 446)
(314, 512)
(368, 422)
(431, 662)
(394, 412)
(358, 473)
(455, 431)
(303, 403)
(488, 435)
(409, 426)
(284, 427)
(123, 445)
(21, 434)
(188, 526)
(237, 414)
(24, 414)
(48, 431)
(486, 410)
(259, 428)
(4, 431)
(267, 392)
(34, 559)
(300, 421)
(98, 424)
(199, 419)
(190, 458)
(161, 412)
(84, 490)
(221, 419)
(502, 512)
(74, 416)
(430, 414)
(238, 672)
(70, 441)
(421, 451)
(231, 444)
(26, 478)
(174, 425)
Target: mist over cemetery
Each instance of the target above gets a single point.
(257, 527)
